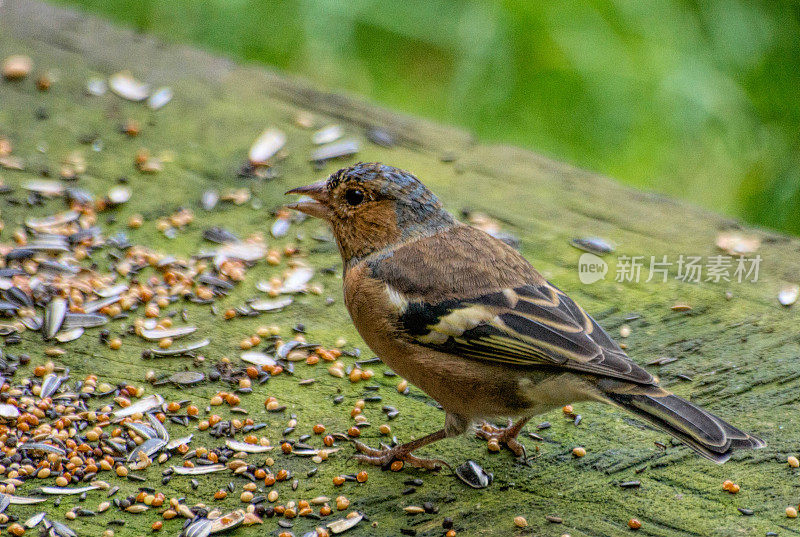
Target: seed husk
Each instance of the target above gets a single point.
(474, 475)
(247, 448)
(198, 470)
(127, 87)
(266, 146)
(343, 524)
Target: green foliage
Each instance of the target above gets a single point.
(692, 98)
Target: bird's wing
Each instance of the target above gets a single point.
(468, 294)
(526, 326)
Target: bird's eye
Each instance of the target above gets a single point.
(354, 196)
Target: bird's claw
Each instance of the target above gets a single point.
(386, 456)
(503, 436)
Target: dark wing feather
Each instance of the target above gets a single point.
(531, 326)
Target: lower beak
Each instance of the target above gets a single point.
(317, 205)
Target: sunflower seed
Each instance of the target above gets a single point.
(187, 378)
(65, 336)
(54, 315)
(473, 475)
(344, 524)
(209, 200)
(67, 490)
(247, 448)
(297, 280)
(119, 195)
(127, 87)
(228, 522)
(280, 228)
(594, 245)
(198, 470)
(161, 333)
(258, 358)
(328, 134)
(35, 520)
(83, 320)
(181, 350)
(271, 305)
(159, 98)
(266, 145)
(149, 447)
(199, 528)
(41, 446)
(788, 295)
(143, 405)
(335, 150)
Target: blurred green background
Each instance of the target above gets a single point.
(697, 99)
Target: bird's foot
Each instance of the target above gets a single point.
(386, 457)
(502, 436)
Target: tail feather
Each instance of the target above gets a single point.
(699, 429)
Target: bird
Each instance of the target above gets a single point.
(468, 320)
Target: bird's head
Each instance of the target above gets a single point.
(371, 207)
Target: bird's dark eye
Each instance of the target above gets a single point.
(354, 196)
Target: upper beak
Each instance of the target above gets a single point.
(318, 204)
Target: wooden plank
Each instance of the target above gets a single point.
(741, 352)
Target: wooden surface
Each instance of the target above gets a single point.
(741, 353)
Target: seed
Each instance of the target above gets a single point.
(246, 496)
(319, 428)
(402, 385)
(273, 496)
(362, 476)
(122, 471)
(62, 481)
(567, 409)
(328, 440)
(215, 400)
(624, 330)
(396, 466)
(157, 525)
(286, 447)
(220, 495)
(354, 431)
(634, 524)
(165, 343)
(385, 429)
(450, 533)
(338, 480)
(578, 452)
(342, 503)
(791, 512)
(494, 445)
(16, 529)
(17, 67)
(793, 462)
(520, 522)
(730, 486)
(115, 343)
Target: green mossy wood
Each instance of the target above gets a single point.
(741, 353)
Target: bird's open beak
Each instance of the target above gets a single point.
(318, 205)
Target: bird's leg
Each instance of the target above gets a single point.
(505, 435)
(386, 456)
(454, 425)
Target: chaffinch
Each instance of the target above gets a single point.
(468, 320)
